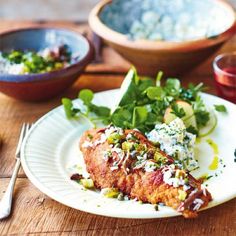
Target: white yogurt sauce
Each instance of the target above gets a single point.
(175, 141)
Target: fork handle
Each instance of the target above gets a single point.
(6, 202)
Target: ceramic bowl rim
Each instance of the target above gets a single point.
(147, 45)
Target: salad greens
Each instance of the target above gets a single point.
(102, 113)
(143, 104)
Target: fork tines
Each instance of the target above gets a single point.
(24, 130)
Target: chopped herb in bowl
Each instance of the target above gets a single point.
(32, 62)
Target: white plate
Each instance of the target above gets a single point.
(51, 148)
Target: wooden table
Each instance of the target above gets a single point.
(34, 213)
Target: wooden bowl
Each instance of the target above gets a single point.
(149, 57)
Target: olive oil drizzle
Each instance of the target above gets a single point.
(215, 162)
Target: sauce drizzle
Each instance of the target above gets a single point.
(215, 162)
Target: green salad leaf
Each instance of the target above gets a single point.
(70, 111)
(143, 104)
(86, 95)
(140, 114)
(220, 108)
(172, 87)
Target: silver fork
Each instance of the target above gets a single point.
(6, 202)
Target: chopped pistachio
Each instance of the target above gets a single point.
(90, 136)
(114, 138)
(110, 192)
(159, 157)
(87, 183)
(180, 174)
(186, 181)
(127, 146)
(141, 147)
(182, 195)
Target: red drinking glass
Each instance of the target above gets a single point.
(225, 76)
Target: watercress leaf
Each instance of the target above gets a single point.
(104, 111)
(139, 115)
(100, 111)
(86, 95)
(106, 120)
(159, 107)
(178, 111)
(144, 84)
(172, 87)
(155, 93)
(68, 108)
(220, 108)
(142, 101)
(67, 103)
(151, 119)
(121, 117)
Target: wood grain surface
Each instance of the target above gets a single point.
(36, 214)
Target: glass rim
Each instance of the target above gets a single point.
(218, 69)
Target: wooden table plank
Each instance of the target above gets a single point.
(38, 213)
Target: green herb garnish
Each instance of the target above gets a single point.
(38, 62)
(201, 113)
(178, 111)
(192, 130)
(220, 108)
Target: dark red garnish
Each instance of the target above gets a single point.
(76, 177)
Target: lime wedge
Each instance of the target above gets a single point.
(128, 91)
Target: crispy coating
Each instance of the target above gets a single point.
(136, 183)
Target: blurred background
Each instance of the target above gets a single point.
(76, 10)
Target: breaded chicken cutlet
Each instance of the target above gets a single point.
(128, 161)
